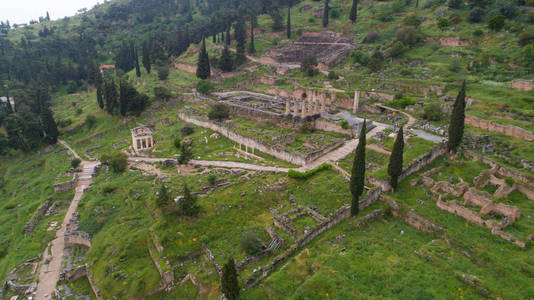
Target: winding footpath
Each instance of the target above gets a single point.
(51, 264)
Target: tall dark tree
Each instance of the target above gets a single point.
(354, 11)
(396, 160)
(110, 95)
(8, 109)
(123, 97)
(227, 62)
(146, 57)
(124, 58)
(99, 96)
(203, 64)
(240, 37)
(228, 36)
(49, 125)
(229, 281)
(188, 204)
(457, 124)
(164, 199)
(357, 178)
(288, 24)
(326, 13)
(137, 67)
(251, 48)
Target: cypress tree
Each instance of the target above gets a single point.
(354, 11)
(227, 63)
(240, 37)
(228, 37)
(203, 64)
(188, 204)
(395, 160)
(288, 27)
(164, 197)
(456, 126)
(229, 282)
(146, 57)
(326, 12)
(99, 96)
(123, 97)
(49, 125)
(137, 68)
(358, 172)
(8, 109)
(110, 94)
(251, 48)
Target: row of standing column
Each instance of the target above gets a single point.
(305, 109)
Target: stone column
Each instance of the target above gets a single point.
(356, 104)
(296, 109)
(323, 106)
(316, 107)
(287, 108)
(310, 106)
(303, 111)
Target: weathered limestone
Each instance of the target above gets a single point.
(522, 84)
(356, 104)
(77, 238)
(142, 139)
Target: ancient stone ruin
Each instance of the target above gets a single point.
(142, 139)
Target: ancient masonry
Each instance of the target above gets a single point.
(142, 139)
(509, 130)
(522, 84)
(66, 186)
(31, 224)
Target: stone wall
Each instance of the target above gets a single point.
(329, 126)
(522, 84)
(424, 160)
(77, 273)
(508, 130)
(28, 228)
(80, 238)
(211, 258)
(66, 186)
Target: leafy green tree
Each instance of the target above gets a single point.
(326, 13)
(75, 162)
(476, 14)
(188, 204)
(219, 112)
(357, 178)
(396, 160)
(309, 65)
(496, 23)
(205, 87)
(226, 62)
(443, 23)
(354, 11)
(203, 64)
(457, 123)
(119, 161)
(186, 153)
(229, 281)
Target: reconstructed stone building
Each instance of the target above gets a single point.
(142, 139)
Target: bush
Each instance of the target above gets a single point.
(119, 162)
(370, 37)
(186, 152)
(75, 162)
(402, 102)
(507, 8)
(526, 38)
(63, 123)
(162, 93)
(496, 23)
(308, 65)
(478, 33)
(455, 20)
(212, 178)
(90, 121)
(177, 143)
(219, 112)
(79, 111)
(455, 3)
(344, 124)
(251, 243)
(360, 57)
(163, 73)
(187, 130)
(412, 20)
(407, 35)
(332, 75)
(205, 87)
(307, 127)
(303, 175)
(396, 49)
(443, 23)
(476, 15)
(432, 112)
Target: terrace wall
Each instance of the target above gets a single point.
(66, 186)
(28, 228)
(508, 130)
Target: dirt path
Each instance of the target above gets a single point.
(411, 119)
(51, 264)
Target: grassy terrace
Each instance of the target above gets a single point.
(27, 181)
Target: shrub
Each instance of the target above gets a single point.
(496, 22)
(344, 124)
(119, 162)
(311, 20)
(402, 102)
(412, 20)
(177, 142)
(79, 111)
(187, 130)
(219, 112)
(455, 20)
(251, 243)
(375, 63)
(528, 54)
(307, 127)
(407, 35)
(476, 15)
(308, 65)
(432, 112)
(396, 49)
(162, 93)
(186, 152)
(370, 37)
(205, 87)
(526, 38)
(332, 75)
(507, 8)
(530, 18)
(478, 33)
(454, 3)
(163, 73)
(443, 23)
(63, 123)
(75, 162)
(212, 178)
(303, 175)
(360, 57)
(90, 121)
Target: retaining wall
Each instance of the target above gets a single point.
(66, 186)
(509, 130)
(28, 228)
(80, 238)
